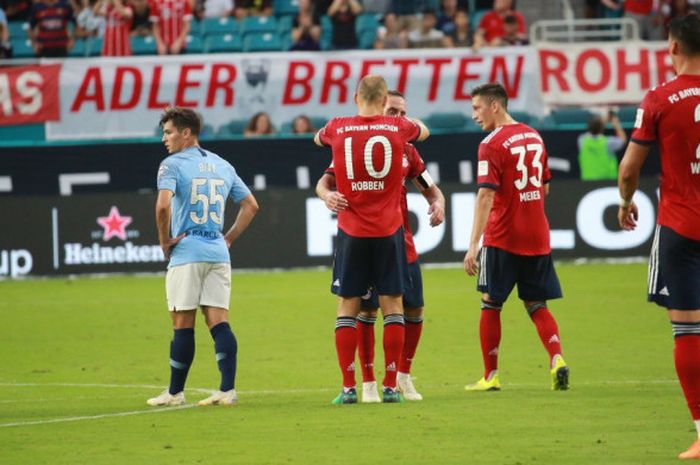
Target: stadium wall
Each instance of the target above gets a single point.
(107, 233)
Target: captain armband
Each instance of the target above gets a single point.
(424, 180)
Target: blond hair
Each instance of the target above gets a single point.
(372, 89)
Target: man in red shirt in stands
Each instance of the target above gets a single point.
(513, 177)
(367, 158)
(670, 116)
(491, 27)
(171, 24)
(118, 17)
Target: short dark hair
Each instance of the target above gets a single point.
(596, 125)
(395, 93)
(182, 118)
(492, 91)
(510, 19)
(686, 30)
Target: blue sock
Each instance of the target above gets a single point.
(226, 348)
(181, 356)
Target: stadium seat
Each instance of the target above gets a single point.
(447, 121)
(225, 43)
(627, 115)
(284, 25)
(286, 128)
(94, 47)
(207, 131)
(18, 29)
(365, 22)
(326, 33)
(475, 19)
(79, 49)
(233, 128)
(570, 118)
(366, 39)
(318, 121)
(262, 42)
(285, 7)
(523, 117)
(143, 45)
(258, 24)
(22, 48)
(220, 26)
(194, 44)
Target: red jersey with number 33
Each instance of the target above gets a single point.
(513, 162)
(670, 114)
(368, 160)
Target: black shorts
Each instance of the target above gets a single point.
(364, 262)
(674, 270)
(500, 271)
(412, 294)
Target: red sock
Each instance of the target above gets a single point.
(413, 328)
(687, 357)
(393, 345)
(365, 347)
(547, 329)
(490, 336)
(345, 345)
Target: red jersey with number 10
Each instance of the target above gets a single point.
(513, 161)
(670, 114)
(368, 163)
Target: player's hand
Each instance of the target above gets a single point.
(335, 201)
(170, 245)
(470, 261)
(437, 213)
(628, 216)
(162, 50)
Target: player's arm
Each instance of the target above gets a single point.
(433, 195)
(484, 203)
(627, 182)
(163, 222)
(325, 190)
(424, 131)
(247, 211)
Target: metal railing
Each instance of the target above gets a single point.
(584, 30)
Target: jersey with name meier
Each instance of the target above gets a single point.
(513, 161)
(368, 158)
(413, 166)
(670, 115)
(201, 182)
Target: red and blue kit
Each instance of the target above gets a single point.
(513, 162)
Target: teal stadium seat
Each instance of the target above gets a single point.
(22, 48)
(79, 49)
(318, 121)
(233, 128)
(627, 115)
(18, 29)
(194, 45)
(94, 47)
(286, 128)
(448, 122)
(367, 38)
(366, 22)
(226, 43)
(285, 7)
(143, 46)
(258, 25)
(326, 33)
(475, 19)
(570, 118)
(524, 117)
(218, 26)
(262, 42)
(284, 25)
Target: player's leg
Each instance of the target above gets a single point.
(686, 355)
(538, 283)
(365, 346)
(496, 279)
(182, 285)
(413, 319)
(392, 310)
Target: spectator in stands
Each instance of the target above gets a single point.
(644, 12)
(491, 26)
(17, 10)
(673, 9)
(259, 125)
(141, 24)
(426, 36)
(89, 23)
(390, 35)
(48, 25)
(446, 19)
(306, 29)
(343, 14)
(253, 8)
(171, 23)
(119, 16)
(596, 151)
(406, 12)
(5, 46)
(217, 8)
(511, 34)
(462, 35)
(592, 9)
(376, 6)
(302, 125)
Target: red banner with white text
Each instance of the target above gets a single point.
(29, 94)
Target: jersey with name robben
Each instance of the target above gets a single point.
(513, 161)
(413, 166)
(670, 115)
(368, 158)
(201, 182)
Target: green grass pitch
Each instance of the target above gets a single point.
(79, 358)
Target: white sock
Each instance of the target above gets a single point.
(697, 426)
(491, 375)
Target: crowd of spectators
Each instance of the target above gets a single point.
(55, 26)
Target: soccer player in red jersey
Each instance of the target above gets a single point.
(513, 177)
(367, 156)
(171, 24)
(413, 169)
(118, 16)
(670, 116)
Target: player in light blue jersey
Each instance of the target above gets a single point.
(193, 185)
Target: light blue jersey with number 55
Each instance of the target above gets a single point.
(201, 182)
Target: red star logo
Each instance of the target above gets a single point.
(114, 224)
